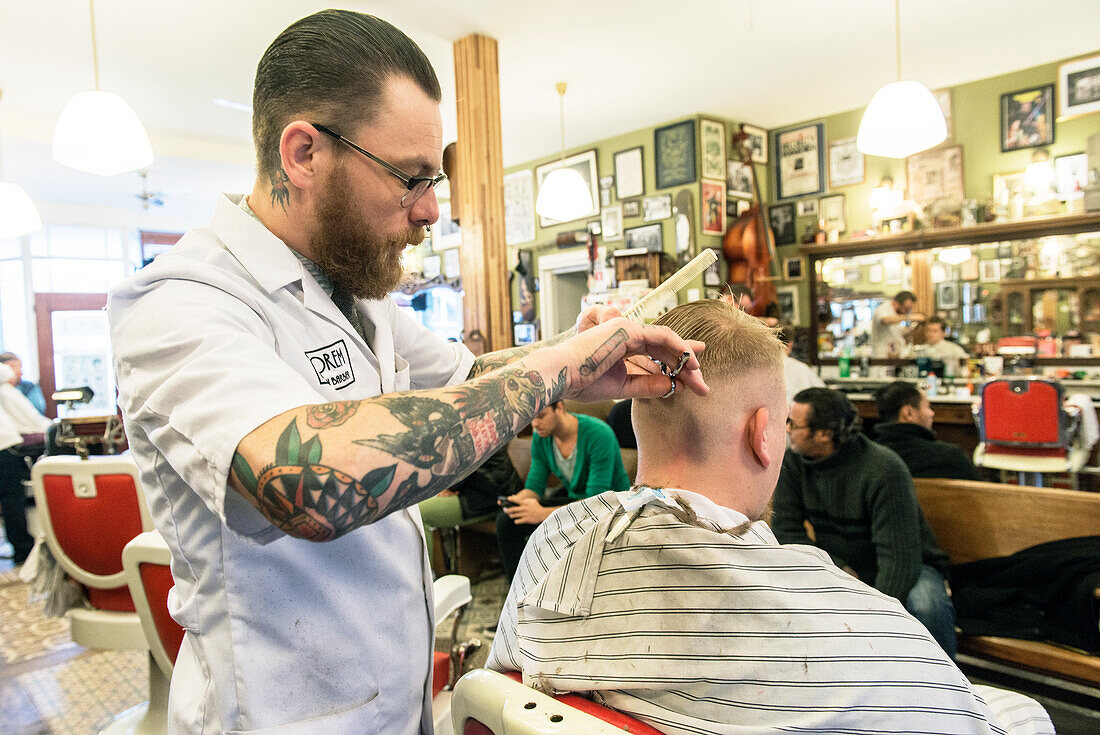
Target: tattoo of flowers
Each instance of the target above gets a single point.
(330, 414)
(280, 194)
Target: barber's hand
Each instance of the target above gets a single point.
(595, 315)
(596, 366)
(916, 316)
(528, 512)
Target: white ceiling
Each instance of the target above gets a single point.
(629, 64)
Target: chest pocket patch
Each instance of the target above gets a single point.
(332, 363)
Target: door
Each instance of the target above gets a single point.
(74, 349)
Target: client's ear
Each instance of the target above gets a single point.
(756, 432)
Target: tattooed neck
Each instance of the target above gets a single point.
(280, 194)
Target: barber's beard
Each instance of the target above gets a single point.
(358, 259)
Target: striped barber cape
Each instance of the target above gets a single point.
(685, 615)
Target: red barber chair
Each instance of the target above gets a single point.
(490, 703)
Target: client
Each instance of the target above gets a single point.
(673, 602)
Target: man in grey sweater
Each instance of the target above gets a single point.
(858, 498)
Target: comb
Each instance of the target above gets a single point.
(679, 279)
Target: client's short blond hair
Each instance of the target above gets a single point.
(742, 364)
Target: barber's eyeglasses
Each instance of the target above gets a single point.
(416, 186)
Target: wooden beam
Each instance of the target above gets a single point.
(480, 187)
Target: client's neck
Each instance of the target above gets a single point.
(723, 485)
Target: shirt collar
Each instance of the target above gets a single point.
(270, 260)
(703, 506)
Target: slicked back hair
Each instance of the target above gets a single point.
(330, 67)
(830, 410)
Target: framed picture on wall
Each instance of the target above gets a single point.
(714, 207)
(788, 303)
(658, 207)
(794, 268)
(800, 161)
(806, 207)
(629, 174)
(834, 212)
(712, 276)
(845, 163)
(935, 174)
(1079, 87)
(519, 207)
(632, 208)
(1071, 173)
(989, 270)
(943, 99)
(781, 218)
(712, 138)
(585, 165)
(674, 154)
(738, 179)
(646, 236)
(1027, 118)
(757, 142)
(611, 221)
(947, 295)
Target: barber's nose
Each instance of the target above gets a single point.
(425, 210)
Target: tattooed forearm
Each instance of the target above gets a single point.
(280, 194)
(604, 351)
(431, 442)
(496, 360)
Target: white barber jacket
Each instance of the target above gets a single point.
(220, 334)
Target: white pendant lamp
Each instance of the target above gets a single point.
(563, 195)
(98, 132)
(903, 117)
(18, 215)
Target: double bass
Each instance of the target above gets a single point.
(749, 244)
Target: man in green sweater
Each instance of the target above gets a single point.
(582, 452)
(858, 496)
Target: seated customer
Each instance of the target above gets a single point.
(674, 604)
(582, 452)
(905, 426)
(22, 432)
(26, 387)
(859, 498)
(941, 348)
(473, 497)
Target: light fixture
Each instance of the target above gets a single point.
(98, 132)
(563, 194)
(954, 256)
(903, 117)
(18, 215)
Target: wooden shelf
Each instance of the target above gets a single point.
(1070, 224)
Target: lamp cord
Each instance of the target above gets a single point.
(560, 86)
(95, 53)
(897, 34)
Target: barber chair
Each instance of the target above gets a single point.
(1026, 427)
(490, 703)
(88, 509)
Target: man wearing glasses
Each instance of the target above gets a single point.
(275, 398)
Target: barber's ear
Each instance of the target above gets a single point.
(756, 432)
(298, 147)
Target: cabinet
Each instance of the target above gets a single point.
(1055, 304)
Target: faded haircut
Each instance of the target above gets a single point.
(330, 67)
(736, 342)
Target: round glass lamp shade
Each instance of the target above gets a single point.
(18, 215)
(902, 118)
(99, 133)
(564, 196)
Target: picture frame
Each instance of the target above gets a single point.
(649, 237)
(738, 180)
(430, 266)
(806, 207)
(947, 295)
(846, 163)
(712, 144)
(834, 211)
(629, 173)
(891, 268)
(757, 142)
(632, 208)
(712, 276)
(875, 273)
(583, 163)
(452, 266)
(1078, 87)
(936, 174)
(787, 296)
(799, 161)
(519, 207)
(1007, 187)
(1027, 118)
(989, 270)
(611, 221)
(781, 219)
(1071, 173)
(713, 205)
(969, 268)
(735, 208)
(794, 268)
(447, 233)
(674, 154)
(656, 207)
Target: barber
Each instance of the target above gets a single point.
(275, 397)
